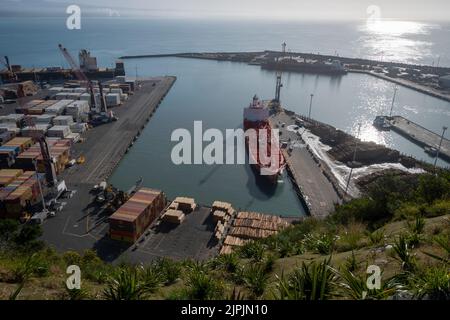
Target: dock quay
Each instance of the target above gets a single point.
(408, 84)
(419, 135)
(315, 189)
(106, 145)
(412, 76)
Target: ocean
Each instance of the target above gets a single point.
(215, 92)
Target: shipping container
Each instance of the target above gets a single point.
(129, 222)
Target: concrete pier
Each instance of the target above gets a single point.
(105, 145)
(317, 191)
(420, 135)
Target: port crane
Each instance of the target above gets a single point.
(101, 113)
(11, 74)
(56, 187)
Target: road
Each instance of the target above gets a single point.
(316, 189)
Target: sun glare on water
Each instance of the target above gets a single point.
(396, 28)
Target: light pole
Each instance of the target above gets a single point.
(393, 100)
(444, 128)
(354, 158)
(310, 105)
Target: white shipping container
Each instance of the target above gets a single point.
(78, 127)
(63, 120)
(80, 90)
(11, 118)
(54, 90)
(78, 106)
(112, 99)
(58, 107)
(61, 96)
(75, 137)
(73, 95)
(59, 131)
(116, 90)
(37, 129)
(8, 127)
(43, 118)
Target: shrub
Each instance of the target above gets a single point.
(417, 225)
(228, 262)
(355, 287)
(432, 187)
(72, 257)
(314, 281)
(252, 250)
(255, 278)
(170, 270)
(403, 253)
(351, 264)
(376, 237)
(201, 286)
(151, 277)
(8, 229)
(322, 243)
(350, 238)
(125, 285)
(432, 283)
(438, 208)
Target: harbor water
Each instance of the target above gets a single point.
(216, 92)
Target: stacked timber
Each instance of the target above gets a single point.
(173, 216)
(185, 204)
(247, 226)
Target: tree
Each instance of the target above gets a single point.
(29, 233)
(8, 229)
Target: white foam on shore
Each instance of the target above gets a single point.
(341, 171)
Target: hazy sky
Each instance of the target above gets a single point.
(291, 9)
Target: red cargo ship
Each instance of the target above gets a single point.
(256, 117)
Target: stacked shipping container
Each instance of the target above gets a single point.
(129, 222)
(18, 194)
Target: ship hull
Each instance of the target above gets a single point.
(257, 167)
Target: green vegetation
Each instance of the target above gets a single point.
(401, 224)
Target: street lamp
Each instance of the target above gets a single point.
(393, 100)
(310, 105)
(444, 128)
(354, 158)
